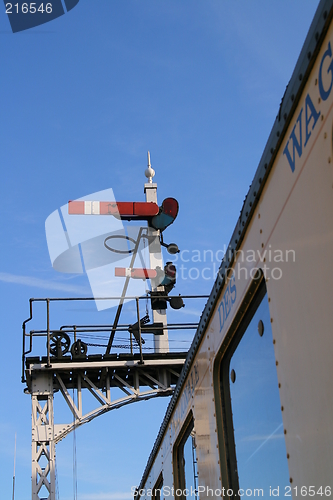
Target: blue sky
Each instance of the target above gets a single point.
(198, 83)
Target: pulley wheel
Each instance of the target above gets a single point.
(59, 343)
(78, 349)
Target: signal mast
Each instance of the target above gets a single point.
(66, 367)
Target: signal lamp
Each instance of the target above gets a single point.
(177, 302)
(167, 214)
(170, 207)
(169, 279)
(172, 248)
(170, 271)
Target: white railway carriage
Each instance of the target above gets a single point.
(252, 413)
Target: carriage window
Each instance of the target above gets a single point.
(187, 476)
(250, 379)
(157, 491)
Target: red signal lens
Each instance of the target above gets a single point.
(170, 270)
(170, 207)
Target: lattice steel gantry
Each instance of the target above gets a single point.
(114, 380)
(137, 381)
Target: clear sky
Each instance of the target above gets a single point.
(83, 98)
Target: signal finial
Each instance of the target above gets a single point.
(149, 172)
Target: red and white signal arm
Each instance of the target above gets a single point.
(126, 210)
(135, 273)
(158, 217)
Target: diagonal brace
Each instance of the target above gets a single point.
(67, 397)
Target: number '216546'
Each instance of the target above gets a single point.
(30, 8)
(307, 491)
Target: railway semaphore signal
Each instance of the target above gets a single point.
(158, 218)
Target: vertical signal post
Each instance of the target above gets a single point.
(161, 342)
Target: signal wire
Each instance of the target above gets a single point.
(14, 468)
(74, 457)
(56, 476)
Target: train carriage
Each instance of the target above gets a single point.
(252, 411)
